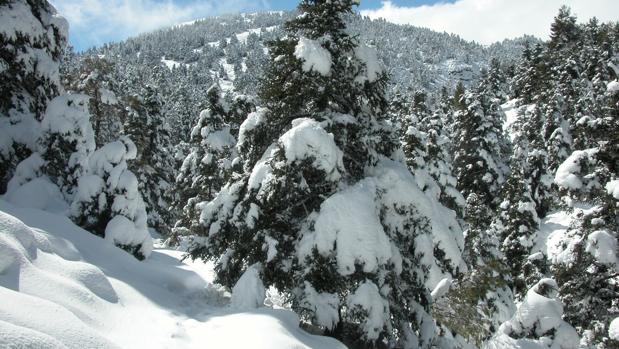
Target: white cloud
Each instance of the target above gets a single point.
(98, 21)
(488, 21)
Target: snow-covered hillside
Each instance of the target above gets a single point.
(62, 287)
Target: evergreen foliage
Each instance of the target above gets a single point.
(323, 139)
(29, 79)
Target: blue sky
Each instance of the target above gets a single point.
(95, 22)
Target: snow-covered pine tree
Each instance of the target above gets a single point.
(208, 166)
(94, 76)
(515, 226)
(154, 163)
(530, 154)
(67, 141)
(493, 84)
(480, 148)
(587, 264)
(480, 299)
(427, 145)
(32, 39)
(107, 201)
(339, 228)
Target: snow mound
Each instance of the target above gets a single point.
(612, 86)
(314, 56)
(45, 295)
(38, 193)
(62, 287)
(249, 291)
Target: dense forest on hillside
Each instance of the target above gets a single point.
(393, 186)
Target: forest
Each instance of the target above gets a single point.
(382, 185)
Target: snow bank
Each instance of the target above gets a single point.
(45, 295)
(612, 86)
(314, 56)
(39, 193)
(62, 287)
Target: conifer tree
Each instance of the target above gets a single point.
(515, 226)
(208, 166)
(427, 145)
(321, 144)
(154, 162)
(530, 154)
(95, 77)
(28, 76)
(480, 149)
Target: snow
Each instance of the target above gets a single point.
(248, 292)
(369, 57)
(551, 237)
(613, 329)
(121, 231)
(537, 323)
(612, 188)
(253, 120)
(170, 64)
(62, 287)
(511, 115)
(612, 86)
(367, 299)
(313, 56)
(441, 288)
(108, 96)
(603, 246)
(38, 193)
(307, 139)
(567, 175)
(349, 220)
(68, 115)
(324, 306)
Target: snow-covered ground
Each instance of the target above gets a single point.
(62, 287)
